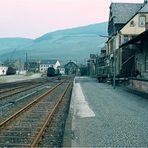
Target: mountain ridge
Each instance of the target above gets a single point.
(82, 29)
(69, 44)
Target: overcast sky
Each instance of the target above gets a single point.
(33, 18)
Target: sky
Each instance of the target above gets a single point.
(33, 18)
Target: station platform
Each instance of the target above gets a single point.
(101, 116)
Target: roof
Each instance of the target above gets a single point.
(48, 61)
(69, 63)
(138, 38)
(93, 56)
(122, 12)
(144, 9)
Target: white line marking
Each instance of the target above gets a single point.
(80, 105)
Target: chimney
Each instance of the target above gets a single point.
(145, 1)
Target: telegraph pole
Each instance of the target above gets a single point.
(114, 64)
(26, 61)
(114, 69)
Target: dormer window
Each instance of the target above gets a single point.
(142, 20)
(125, 38)
(132, 23)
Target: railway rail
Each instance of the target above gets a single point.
(17, 90)
(10, 89)
(27, 85)
(10, 85)
(12, 103)
(5, 89)
(26, 127)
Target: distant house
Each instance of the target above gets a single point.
(32, 66)
(72, 68)
(3, 70)
(62, 70)
(44, 64)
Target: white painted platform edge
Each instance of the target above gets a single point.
(79, 104)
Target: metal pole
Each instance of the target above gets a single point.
(114, 72)
(26, 61)
(114, 64)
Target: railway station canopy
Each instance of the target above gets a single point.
(137, 40)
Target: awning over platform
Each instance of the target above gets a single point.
(137, 40)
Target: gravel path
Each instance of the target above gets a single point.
(119, 119)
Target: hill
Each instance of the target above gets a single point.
(69, 44)
(10, 44)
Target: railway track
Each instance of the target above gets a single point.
(9, 92)
(17, 90)
(11, 103)
(17, 86)
(8, 85)
(26, 127)
(9, 89)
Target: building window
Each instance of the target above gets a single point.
(146, 63)
(125, 38)
(142, 20)
(132, 24)
(120, 40)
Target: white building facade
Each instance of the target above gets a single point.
(3, 70)
(45, 64)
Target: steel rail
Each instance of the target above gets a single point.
(4, 90)
(14, 88)
(10, 89)
(24, 82)
(19, 91)
(38, 137)
(18, 87)
(15, 115)
(12, 84)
